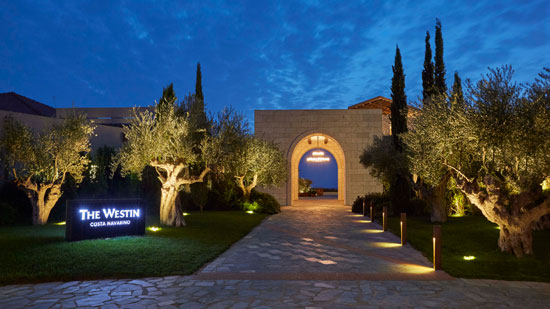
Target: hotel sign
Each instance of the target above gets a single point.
(89, 219)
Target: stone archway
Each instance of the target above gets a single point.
(307, 143)
(348, 132)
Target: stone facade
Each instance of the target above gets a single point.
(347, 130)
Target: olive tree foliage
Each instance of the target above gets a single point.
(257, 163)
(250, 161)
(496, 146)
(41, 162)
(163, 140)
(384, 161)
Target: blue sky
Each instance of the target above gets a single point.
(323, 175)
(255, 54)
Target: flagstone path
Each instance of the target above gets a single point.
(314, 255)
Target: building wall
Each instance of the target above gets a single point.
(353, 129)
(103, 135)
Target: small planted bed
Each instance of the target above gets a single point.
(469, 249)
(40, 253)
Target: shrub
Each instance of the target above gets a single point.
(224, 195)
(264, 202)
(15, 207)
(254, 206)
(418, 207)
(379, 200)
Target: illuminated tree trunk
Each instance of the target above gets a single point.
(43, 199)
(170, 215)
(515, 215)
(435, 197)
(247, 189)
(172, 179)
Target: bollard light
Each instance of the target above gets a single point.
(371, 214)
(364, 208)
(437, 246)
(385, 219)
(403, 228)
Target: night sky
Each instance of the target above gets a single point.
(255, 54)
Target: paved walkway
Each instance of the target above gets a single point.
(313, 255)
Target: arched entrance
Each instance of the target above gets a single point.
(314, 141)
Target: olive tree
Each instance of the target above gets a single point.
(162, 139)
(41, 162)
(257, 163)
(496, 146)
(250, 161)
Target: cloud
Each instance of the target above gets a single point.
(256, 54)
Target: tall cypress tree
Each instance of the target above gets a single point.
(400, 190)
(199, 120)
(457, 96)
(428, 72)
(198, 83)
(439, 72)
(399, 101)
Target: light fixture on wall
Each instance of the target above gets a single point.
(318, 156)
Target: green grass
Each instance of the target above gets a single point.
(31, 254)
(475, 236)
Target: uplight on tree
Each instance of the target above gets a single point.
(40, 162)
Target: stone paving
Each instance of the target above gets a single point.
(309, 256)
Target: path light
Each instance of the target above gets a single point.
(371, 231)
(60, 223)
(154, 229)
(385, 244)
(403, 228)
(364, 207)
(371, 209)
(384, 219)
(249, 212)
(185, 214)
(469, 257)
(437, 246)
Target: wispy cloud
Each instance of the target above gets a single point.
(256, 54)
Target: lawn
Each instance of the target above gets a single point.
(39, 253)
(475, 236)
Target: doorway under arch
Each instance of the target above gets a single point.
(315, 141)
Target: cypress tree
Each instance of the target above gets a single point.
(457, 96)
(428, 72)
(167, 100)
(399, 101)
(439, 72)
(400, 190)
(196, 109)
(198, 83)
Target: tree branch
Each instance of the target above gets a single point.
(457, 171)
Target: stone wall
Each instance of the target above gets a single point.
(352, 129)
(103, 135)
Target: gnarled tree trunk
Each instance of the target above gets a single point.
(435, 197)
(42, 198)
(515, 215)
(170, 213)
(172, 180)
(247, 189)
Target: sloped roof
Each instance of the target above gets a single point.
(13, 102)
(374, 103)
(379, 102)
